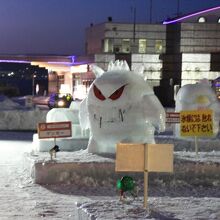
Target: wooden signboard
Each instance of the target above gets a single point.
(130, 157)
(135, 157)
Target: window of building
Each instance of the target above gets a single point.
(117, 49)
(60, 81)
(126, 48)
(202, 20)
(158, 46)
(108, 45)
(60, 78)
(142, 45)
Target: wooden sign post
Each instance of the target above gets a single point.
(54, 130)
(134, 157)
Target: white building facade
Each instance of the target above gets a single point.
(180, 51)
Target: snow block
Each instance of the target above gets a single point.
(204, 144)
(86, 169)
(65, 144)
(67, 167)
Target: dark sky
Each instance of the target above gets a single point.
(58, 26)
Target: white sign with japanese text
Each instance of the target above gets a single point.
(54, 130)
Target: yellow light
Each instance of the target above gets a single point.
(60, 103)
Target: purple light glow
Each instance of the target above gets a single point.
(64, 63)
(14, 61)
(61, 63)
(73, 58)
(81, 63)
(191, 15)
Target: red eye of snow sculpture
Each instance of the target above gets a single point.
(98, 93)
(117, 93)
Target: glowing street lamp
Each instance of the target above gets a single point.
(33, 82)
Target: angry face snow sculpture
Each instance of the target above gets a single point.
(120, 107)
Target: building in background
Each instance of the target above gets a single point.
(180, 51)
(20, 79)
(44, 75)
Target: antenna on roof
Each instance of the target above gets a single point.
(133, 9)
(134, 29)
(178, 8)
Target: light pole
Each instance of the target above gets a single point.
(33, 83)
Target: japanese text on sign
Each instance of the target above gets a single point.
(172, 117)
(196, 123)
(54, 130)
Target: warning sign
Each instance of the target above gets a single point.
(196, 123)
(172, 117)
(54, 130)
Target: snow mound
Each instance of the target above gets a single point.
(8, 104)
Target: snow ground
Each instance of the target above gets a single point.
(158, 208)
(20, 198)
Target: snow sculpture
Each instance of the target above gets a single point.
(120, 107)
(67, 114)
(198, 96)
(76, 142)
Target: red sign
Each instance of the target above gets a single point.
(172, 117)
(54, 130)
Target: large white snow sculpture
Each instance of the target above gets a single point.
(120, 107)
(198, 96)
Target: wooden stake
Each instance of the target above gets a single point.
(145, 176)
(196, 145)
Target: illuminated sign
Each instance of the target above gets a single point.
(196, 123)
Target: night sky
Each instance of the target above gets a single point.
(58, 26)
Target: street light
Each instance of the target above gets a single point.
(33, 83)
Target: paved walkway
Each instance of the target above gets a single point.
(20, 198)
